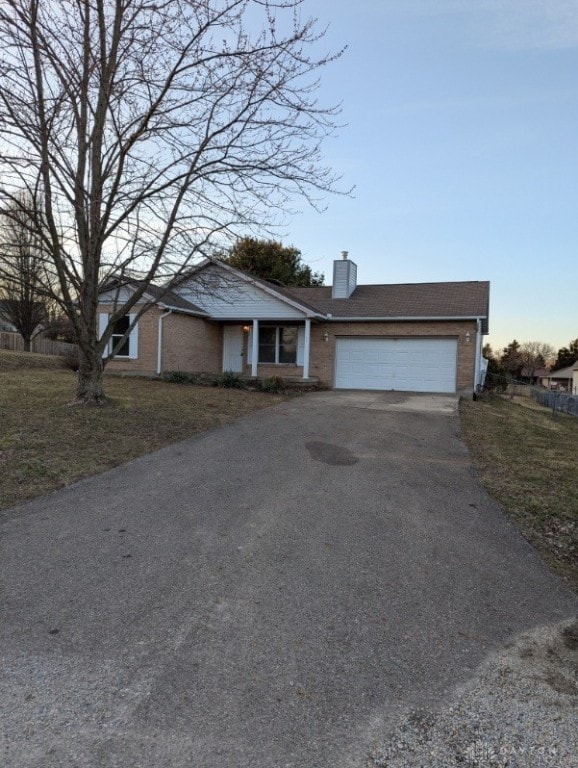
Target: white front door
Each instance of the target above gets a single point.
(233, 348)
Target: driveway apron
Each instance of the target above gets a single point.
(268, 594)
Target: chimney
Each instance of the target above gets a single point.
(344, 277)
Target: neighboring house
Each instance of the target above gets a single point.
(413, 337)
(564, 378)
(535, 375)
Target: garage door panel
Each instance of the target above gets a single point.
(411, 365)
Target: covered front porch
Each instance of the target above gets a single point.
(261, 348)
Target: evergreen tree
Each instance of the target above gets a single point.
(271, 260)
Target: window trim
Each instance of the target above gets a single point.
(132, 338)
(115, 338)
(278, 329)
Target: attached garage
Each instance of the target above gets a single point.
(401, 364)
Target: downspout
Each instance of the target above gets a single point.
(160, 341)
(255, 350)
(478, 359)
(307, 349)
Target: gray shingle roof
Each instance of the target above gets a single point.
(368, 302)
(158, 294)
(408, 300)
(564, 373)
(173, 300)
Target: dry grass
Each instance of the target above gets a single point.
(526, 459)
(18, 361)
(46, 444)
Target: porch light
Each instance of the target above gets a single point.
(325, 337)
(246, 328)
(467, 337)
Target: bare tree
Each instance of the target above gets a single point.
(24, 277)
(534, 355)
(154, 128)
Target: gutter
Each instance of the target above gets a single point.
(399, 318)
(160, 340)
(182, 311)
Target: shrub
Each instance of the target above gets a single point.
(274, 385)
(229, 380)
(71, 359)
(181, 377)
(495, 382)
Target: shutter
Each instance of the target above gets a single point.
(250, 347)
(102, 323)
(133, 339)
(301, 345)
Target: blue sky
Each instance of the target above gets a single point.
(461, 139)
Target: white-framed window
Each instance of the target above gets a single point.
(124, 350)
(118, 344)
(278, 344)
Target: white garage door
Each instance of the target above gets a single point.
(405, 365)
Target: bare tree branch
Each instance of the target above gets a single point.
(26, 274)
(155, 131)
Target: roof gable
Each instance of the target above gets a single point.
(226, 293)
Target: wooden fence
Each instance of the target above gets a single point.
(40, 345)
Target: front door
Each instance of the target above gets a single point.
(233, 348)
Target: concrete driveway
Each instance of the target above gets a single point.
(269, 594)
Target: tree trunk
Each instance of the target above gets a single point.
(27, 344)
(89, 390)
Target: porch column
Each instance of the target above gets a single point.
(255, 349)
(306, 348)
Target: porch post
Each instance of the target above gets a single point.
(255, 349)
(306, 348)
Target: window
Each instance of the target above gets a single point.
(120, 328)
(127, 348)
(278, 344)
(267, 345)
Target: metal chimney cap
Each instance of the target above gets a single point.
(344, 255)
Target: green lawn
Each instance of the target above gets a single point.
(528, 461)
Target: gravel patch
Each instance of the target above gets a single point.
(519, 711)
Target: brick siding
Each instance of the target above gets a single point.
(146, 362)
(322, 358)
(196, 345)
(192, 344)
(189, 344)
(267, 370)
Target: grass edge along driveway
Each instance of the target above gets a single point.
(46, 444)
(526, 460)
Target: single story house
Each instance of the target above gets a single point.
(424, 337)
(534, 375)
(564, 378)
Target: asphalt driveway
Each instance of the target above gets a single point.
(269, 594)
